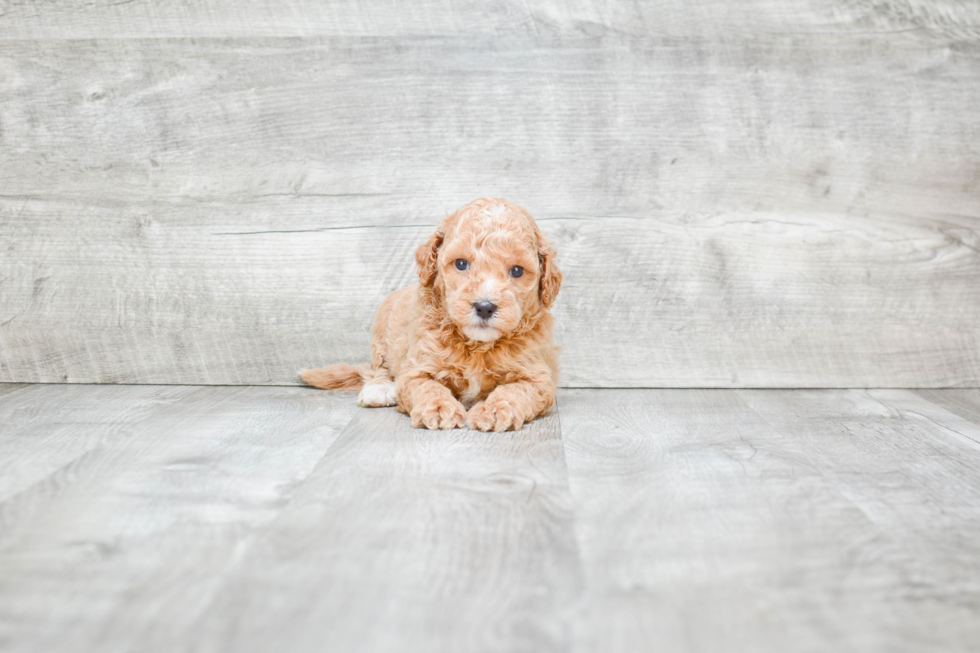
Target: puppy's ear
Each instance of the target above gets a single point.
(551, 276)
(427, 257)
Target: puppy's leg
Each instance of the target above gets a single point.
(512, 404)
(379, 388)
(429, 403)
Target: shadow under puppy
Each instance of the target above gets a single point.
(472, 342)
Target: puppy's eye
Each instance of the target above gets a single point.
(516, 271)
(462, 264)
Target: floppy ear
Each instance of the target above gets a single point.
(551, 276)
(427, 257)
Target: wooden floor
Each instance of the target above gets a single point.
(180, 518)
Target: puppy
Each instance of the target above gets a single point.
(472, 342)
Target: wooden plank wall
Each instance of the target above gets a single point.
(752, 194)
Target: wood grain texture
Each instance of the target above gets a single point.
(222, 18)
(609, 126)
(734, 300)
(413, 540)
(124, 548)
(754, 300)
(771, 521)
(48, 429)
(755, 195)
(7, 388)
(965, 402)
(256, 519)
(914, 407)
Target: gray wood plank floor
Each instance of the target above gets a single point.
(185, 518)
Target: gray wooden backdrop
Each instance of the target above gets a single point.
(758, 193)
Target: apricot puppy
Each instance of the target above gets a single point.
(472, 342)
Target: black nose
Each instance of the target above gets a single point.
(485, 309)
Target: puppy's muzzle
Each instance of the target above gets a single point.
(484, 310)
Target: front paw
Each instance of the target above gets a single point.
(495, 416)
(439, 413)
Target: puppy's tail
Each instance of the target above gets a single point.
(337, 377)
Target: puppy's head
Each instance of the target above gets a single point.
(491, 268)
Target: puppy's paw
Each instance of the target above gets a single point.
(495, 416)
(439, 413)
(377, 393)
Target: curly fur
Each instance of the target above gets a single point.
(435, 358)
